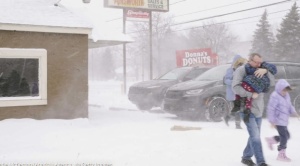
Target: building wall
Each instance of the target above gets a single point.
(67, 65)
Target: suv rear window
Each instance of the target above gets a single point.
(280, 72)
(194, 73)
(174, 74)
(293, 72)
(215, 73)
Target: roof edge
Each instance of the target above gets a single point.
(106, 43)
(41, 28)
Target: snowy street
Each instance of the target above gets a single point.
(67, 67)
(130, 137)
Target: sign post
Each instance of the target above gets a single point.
(146, 5)
(124, 53)
(150, 47)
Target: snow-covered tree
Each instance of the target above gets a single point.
(263, 39)
(215, 36)
(139, 50)
(288, 37)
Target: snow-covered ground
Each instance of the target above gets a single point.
(128, 137)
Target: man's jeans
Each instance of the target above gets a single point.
(253, 146)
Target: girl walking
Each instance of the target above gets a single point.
(279, 110)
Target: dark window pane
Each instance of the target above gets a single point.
(19, 77)
(195, 73)
(293, 72)
(174, 74)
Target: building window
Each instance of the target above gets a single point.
(23, 77)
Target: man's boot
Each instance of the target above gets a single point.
(226, 119)
(248, 162)
(236, 106)
(238, 125)
(282, 156)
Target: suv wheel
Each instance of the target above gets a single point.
(217, 109)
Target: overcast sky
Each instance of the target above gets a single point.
(189, 10)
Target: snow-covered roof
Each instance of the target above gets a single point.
(103, 38)
(52, 16)
(102, 34)
(41, 16)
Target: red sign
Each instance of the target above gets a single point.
(196, 57)
(137, 15)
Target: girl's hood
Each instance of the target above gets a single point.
(280, 85)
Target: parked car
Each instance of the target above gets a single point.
(148, 94)
(204, 97)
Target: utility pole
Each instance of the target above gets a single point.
(124, 52)
(150, 43)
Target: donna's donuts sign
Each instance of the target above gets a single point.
(196, 57)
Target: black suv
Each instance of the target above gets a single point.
(148, 94)
(204, 97)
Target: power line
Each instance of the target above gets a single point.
(212, 8)
(195, 11)
(177, 2)
(252, 21)
(245, 18)
(225, 14)
(114, 19)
